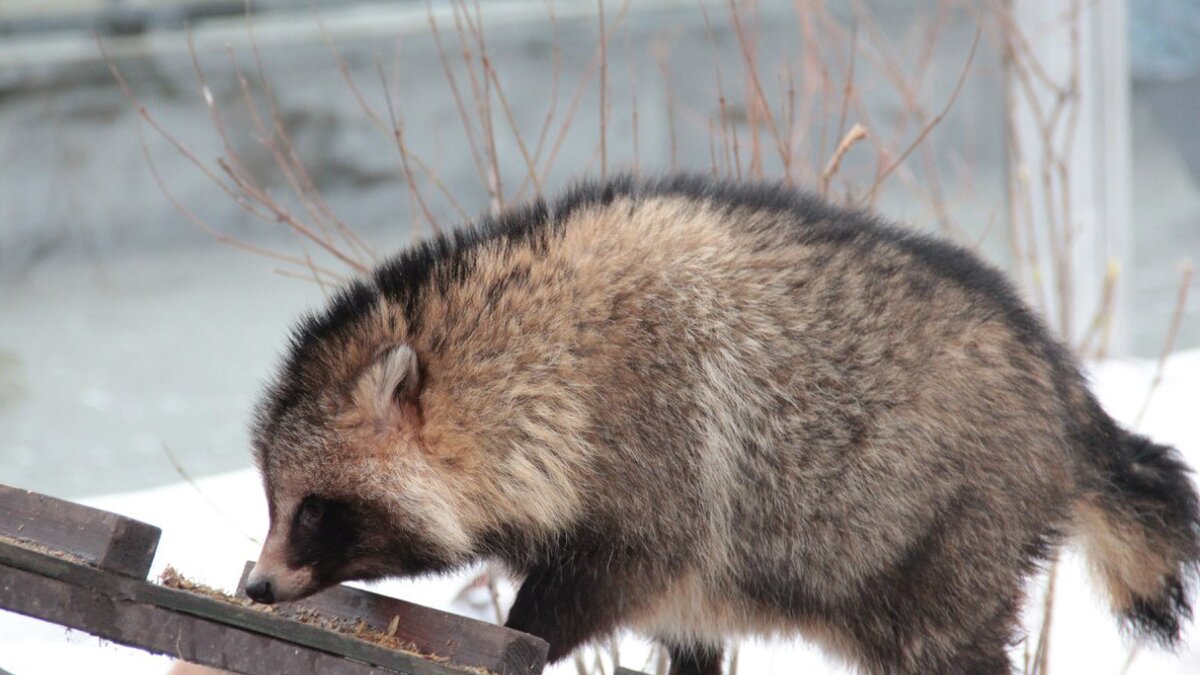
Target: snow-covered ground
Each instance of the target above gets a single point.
(207, 530)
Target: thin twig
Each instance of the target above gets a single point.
(398, 137)
(1041, 655)
(391, 129)
(217, 235)
(752, 70)
(580, 88)
(962, 78)
(1133, 654)
(1102, 320)
(633, 107)
(213, 505)
(482, 93)
(660, 57)
(856, 134)
(530, 164)
(150, 119)
(848, 85)
(603, 92)
(468, 129)
(494, 595)
(556, 60)
(1169, 343)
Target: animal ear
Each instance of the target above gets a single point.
(391, 384)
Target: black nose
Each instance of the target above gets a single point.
(260, 591)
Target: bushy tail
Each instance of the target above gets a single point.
(1141, 531)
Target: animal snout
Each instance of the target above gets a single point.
(260, 590)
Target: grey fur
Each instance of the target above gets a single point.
(700, 409)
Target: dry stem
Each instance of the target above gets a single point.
(1169, 343)
(856, 134)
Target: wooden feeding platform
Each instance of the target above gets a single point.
(86, 569)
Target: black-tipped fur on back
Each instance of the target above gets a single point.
(447, 258)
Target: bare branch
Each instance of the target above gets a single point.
(856, 134)
(962, 78)
(603, 92)
(752, 71)
(1169, 343)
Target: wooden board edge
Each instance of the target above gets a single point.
(119, 590)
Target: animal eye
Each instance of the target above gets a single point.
(311, 511)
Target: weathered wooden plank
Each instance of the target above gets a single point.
(106, 540)
(186, 625)
(162, 631)
(457, 639)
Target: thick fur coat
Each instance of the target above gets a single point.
(703, 409)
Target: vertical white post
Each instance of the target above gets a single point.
(1070, 171)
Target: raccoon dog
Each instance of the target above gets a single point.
(701, 409)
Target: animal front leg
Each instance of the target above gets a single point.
(568, 608)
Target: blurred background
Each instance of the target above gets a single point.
(180, 179)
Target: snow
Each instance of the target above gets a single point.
(208, 525)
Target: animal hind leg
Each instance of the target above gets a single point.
(979, 659)
(984, 652)
(954, 643)
(951, 604)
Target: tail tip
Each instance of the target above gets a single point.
(1160, 510)
(1161, 618)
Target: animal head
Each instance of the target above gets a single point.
(352, 491)
(409, 432)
